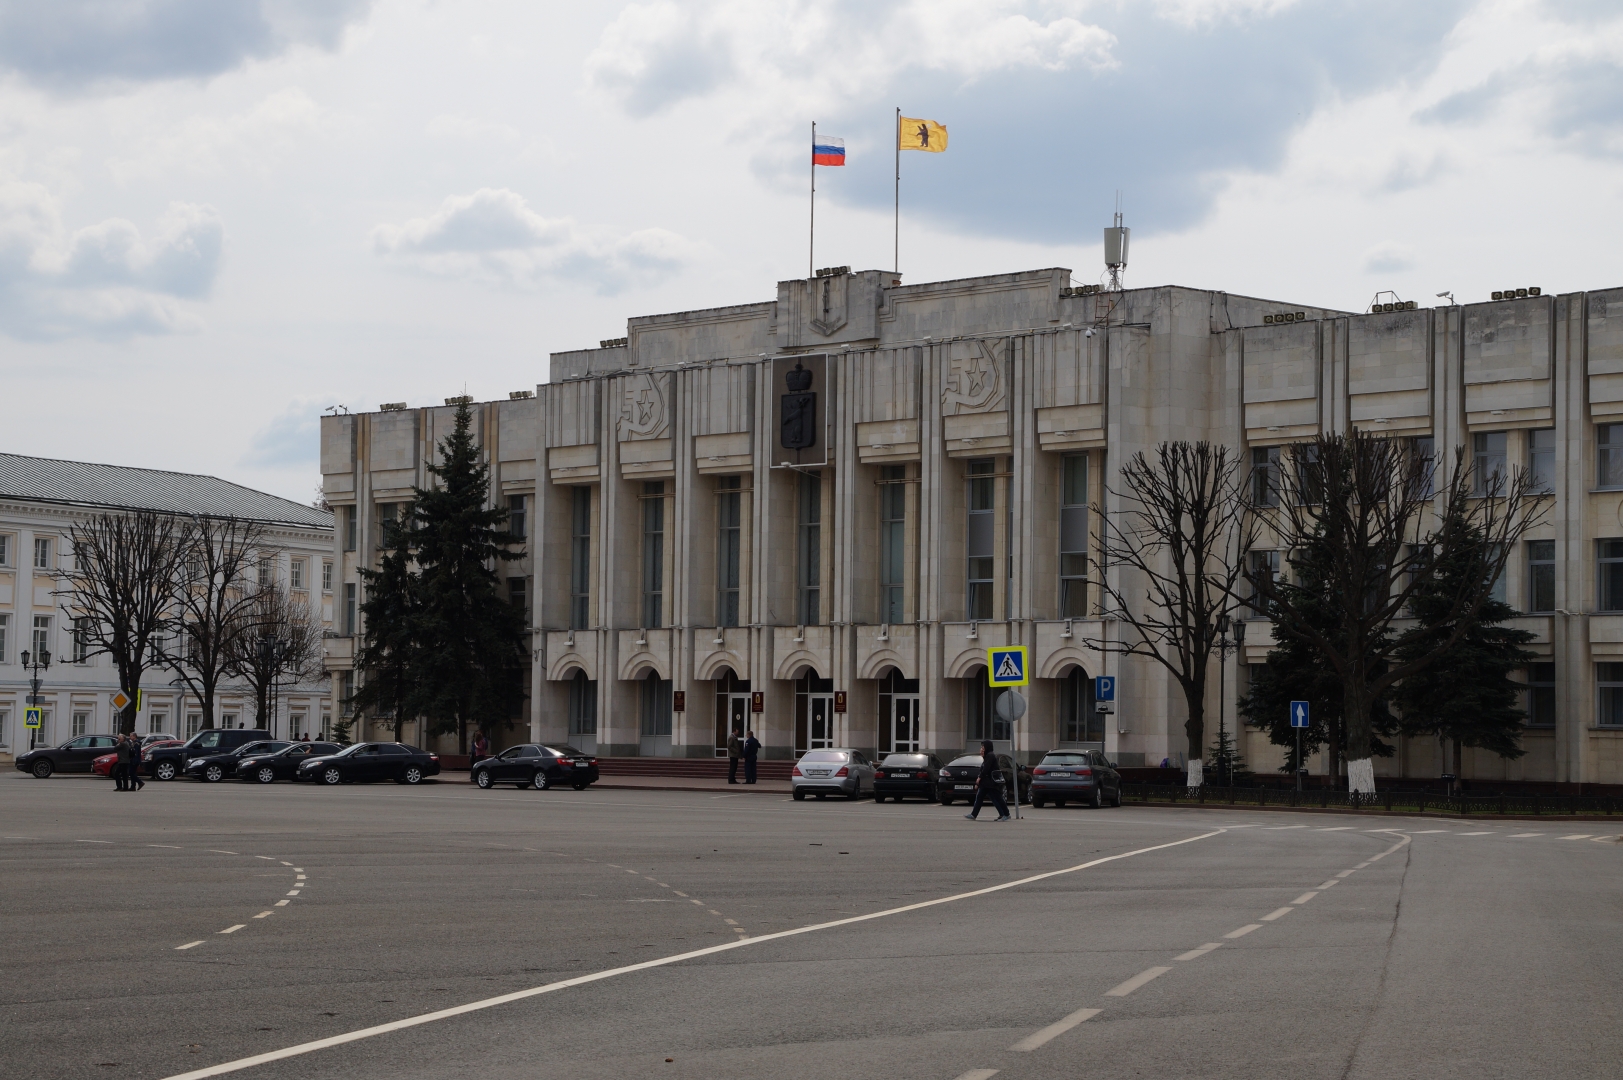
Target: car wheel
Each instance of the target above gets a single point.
(213, 774)
(1117, 800)
(1097, 800)
(412, 775)
(163, 770)
(578, 787)
(946, 800)
(878, 798)
(42, 769)
(1060, 803)
(799, 796)
(1036, 803)
(540, 781)
(856, 791)
(265, 775)
(482, 779)
(332, 775)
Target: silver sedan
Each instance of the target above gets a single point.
(836, 771)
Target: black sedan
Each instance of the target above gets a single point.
(267, 768)
(212, 768)
(1082, 776)
(75, 755)
(537, 766)
(371, 761)
(901, 775)
(956, 780)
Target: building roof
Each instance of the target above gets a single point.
(80, 483)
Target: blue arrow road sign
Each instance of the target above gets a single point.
(1299, 714)
(1104, 688)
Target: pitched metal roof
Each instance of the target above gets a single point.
(80, 483)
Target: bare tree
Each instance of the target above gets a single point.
(1368, 503)
(1168, 562)
(281, 643)
(214, 604)
(121, 590)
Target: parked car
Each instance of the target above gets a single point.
(956, 780)
(212, 768)
(75, 755)
(371, 761)
(840, 771)
(267, 768)
(156, 737)
(167, 762)
(103, 766)
(1083, 776)
(901, 775)
(537, 766)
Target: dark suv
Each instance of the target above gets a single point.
(167, 762)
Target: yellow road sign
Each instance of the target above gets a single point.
(121, 700)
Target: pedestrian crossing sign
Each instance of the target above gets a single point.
(1006, 666)
(31, 717)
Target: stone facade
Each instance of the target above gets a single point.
(696, 566)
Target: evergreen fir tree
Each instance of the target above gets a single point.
(385, 656)
(1466, 694)
(1227, 764)
(468, 647)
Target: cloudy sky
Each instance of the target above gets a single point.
(218, 217)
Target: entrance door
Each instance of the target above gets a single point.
(904, 731)
(821, 731)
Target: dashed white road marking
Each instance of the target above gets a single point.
(699, 902)
(1280, 828)
(267, 858)
(92, 841)
(1524, 835)
(262, 914)
(1428, 832)
(1346, 873)
(1195, 954)
(295, 892)
(1328, 884)
(1277, 913)
(233, 929)
(1123, 989)
(1476, 833)
(282, 903)
(1338, 828)
(286, 863)
(1054, 1030)
(1243, 931)
(1305, 897)
(188, 945)
(978, 1074)
(217, 851)
(175, 847)
(680, 893)
(1576, 836)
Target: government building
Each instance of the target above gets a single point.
(812, 516)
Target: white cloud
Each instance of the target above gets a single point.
(493, 235)
(103, 280)
(257, 139)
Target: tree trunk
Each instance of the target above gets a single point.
(1197, 775)
(1355, 714)
(1195, 729)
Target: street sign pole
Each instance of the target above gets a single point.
(1299, 719)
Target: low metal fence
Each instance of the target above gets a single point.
(1403, 802)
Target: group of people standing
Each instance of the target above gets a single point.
(748, 748)
(127, 767)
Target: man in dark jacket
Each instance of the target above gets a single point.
(735, 749)
(121, 764)
(135, 782)
(752, 748)
(989, 784)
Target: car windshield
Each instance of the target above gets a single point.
(905, 761)
(964, 762)
(1065, 759)
(352, 749)
(205, 740)
(825, 755)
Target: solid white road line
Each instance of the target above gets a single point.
(1243, 931)
(597, 976)
(233, 929)
(1277, 913)
(1195, 954)
(978, 1074)
(1136, 981)
(1054, 1030)
(188, 945)
(1304, 898)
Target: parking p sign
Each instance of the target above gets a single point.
(1104, 688)
(1006, 666)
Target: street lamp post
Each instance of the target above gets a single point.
(271, 653)
(35, 664)
(1223, 772)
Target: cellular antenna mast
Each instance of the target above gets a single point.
(1116, 237)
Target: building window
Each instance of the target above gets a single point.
(893, 544)
(1541, 575)
(5, 633)
(580, 558)
(1609, 467)
(582, 705)
(325, 731)
(156, 722)
(1079, 721)
(81, 640)
(1541, 695)
(228, 720)
(41, 736)
(295, 725)
(515, 594)
(1265, 475)
(346, 690)
(1073, 537)
(80, 722)
(515, 517)
(42, 553)
(295, 574)
(326, 577)
(351, 526)
(898, 713)
(1262, 563)
(1611, 574)
(1424, 449)
(810, 542)
(816, 726)
(350, 589)
(42, 635)
(729, 548)
(1610, 680)
(5, 550)
(266, 575)
(194, 722)
(655, 709)
(1488, 462)
(5, 727)
(384, 515)
(981, 539)
(1541, 460)
(653, 553)
(1497, 593)
(982, 720)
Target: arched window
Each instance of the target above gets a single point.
(656, 716)
(582, 705)
(981, 720)
(1079, 722)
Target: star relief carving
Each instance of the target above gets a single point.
(642, 409)
(974, 381)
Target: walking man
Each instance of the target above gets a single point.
(734, 749)
(121, 764)
(989, 783)
(135, 782)
(752, 747)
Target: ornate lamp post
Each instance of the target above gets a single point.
(1223, 624)
(35, 664)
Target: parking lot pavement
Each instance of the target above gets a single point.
(611, 933)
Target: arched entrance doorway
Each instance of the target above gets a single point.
(1081, 726)
(816, 725)
(898, 713)
(732, 708)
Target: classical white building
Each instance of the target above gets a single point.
(825, 552)
(40, 502)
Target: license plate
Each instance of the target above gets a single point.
(963, 787)
(1059, 774)
(817, 772)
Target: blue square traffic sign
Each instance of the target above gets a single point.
(1104, 688)
(1299, 714)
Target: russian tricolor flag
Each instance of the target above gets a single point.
(827, 151)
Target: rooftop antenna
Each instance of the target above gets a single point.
(1116, 237)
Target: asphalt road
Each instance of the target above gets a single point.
(190, 926)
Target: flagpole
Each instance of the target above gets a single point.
(896, 250)
(811, 243)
